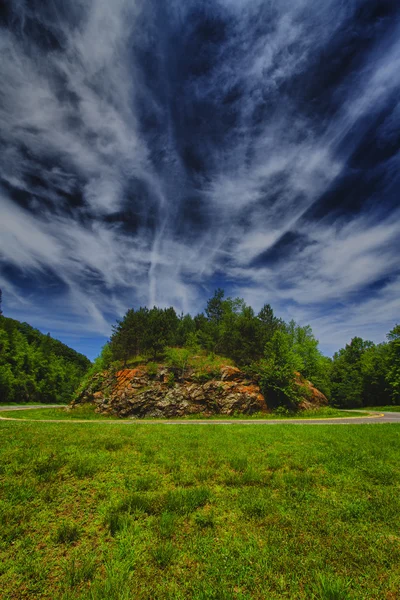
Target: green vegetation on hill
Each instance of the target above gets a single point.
(361, 374)
(112, 512)
(261, 344)
(35, 367)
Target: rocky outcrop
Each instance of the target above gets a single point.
(136, 394)
(166, 393)
(311, 397)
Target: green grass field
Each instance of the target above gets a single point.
(390, 408)
(206, 512)
(86, 412)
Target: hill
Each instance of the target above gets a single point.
(35, 367)
(202, 385)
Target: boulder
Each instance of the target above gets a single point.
(229, 373)
(312, 397)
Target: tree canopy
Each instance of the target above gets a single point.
(360, 374)
(35, 367)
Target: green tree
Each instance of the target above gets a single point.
(161, 330)
(268, 324)
(393, 371)
(347, 375)
(277, 372)
(215, 308)
(128, 337)
(36, 367)
(186, 327)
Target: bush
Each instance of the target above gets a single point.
(276, 371)
(152, 369)
(178, 358)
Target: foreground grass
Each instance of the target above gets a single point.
(157, 512)
(87, 412)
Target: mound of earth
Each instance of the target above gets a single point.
(136, 393)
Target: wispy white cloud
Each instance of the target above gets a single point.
(95, 184)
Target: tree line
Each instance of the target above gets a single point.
(361, 374)
(270, 349)
(367, 374)
(35, 367)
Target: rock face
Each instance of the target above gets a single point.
(312, 398)
(136, 394)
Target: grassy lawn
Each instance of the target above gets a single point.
(390, 408)
(87, 412)
(156, 512)
(19, 404)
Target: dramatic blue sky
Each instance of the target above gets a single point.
(152, 150)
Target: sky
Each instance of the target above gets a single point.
(154, 150)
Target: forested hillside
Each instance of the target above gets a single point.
(35, 367)
(360, 374)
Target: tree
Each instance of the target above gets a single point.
(393, 371)
(186, 327)
(124, 339)
(268, 324)
(162, 325)
(36, 367)
(215, 309)
(277, 372)
(374, 369)
(347, 376)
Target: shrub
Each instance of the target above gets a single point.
(152, 369)
(178, 358)
(171, 380)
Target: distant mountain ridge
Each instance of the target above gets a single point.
(35, 367)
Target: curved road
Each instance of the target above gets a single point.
(370, 418)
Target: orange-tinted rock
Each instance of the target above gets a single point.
(254, 391)
(313, 397)
(133, 393)
(229, 373)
